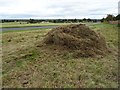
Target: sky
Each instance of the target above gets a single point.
(57, 9)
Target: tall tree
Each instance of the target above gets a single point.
(109, 17)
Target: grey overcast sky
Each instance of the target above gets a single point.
(52, 9)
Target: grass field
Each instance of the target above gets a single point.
(27, 64)
(17, 24)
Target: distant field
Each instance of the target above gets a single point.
(24, 24)
(27, 64)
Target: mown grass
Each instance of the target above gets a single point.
(17, 24)
(26, 63)
(6, 31)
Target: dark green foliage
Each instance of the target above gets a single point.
(31, 21)
(102, 20)
(110, 17)
(117, 17)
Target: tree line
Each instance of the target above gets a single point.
(111, 17)
(107, 19)
(51, 20)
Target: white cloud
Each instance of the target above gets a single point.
(57, 8)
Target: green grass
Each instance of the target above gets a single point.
(34, 29)
(28, 64)
(17, 24)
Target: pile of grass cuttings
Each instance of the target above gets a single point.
(78, 38)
